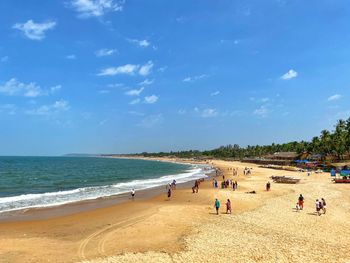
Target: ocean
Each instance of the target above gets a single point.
(33, 182)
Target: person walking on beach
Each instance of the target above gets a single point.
(236, 185)
(133, 194)
(169, 193)
(268, 186)
(196, 185)
(318, 208)
(217, 206)
(228, 206)
(301, 201)
(323, 205)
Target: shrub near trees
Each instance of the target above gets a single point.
(333, 145)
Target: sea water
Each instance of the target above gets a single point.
(28, 182)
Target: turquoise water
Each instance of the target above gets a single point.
(48, 181)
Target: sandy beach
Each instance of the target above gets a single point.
(264, 227)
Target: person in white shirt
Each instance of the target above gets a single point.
(133, 193)
(317, 203)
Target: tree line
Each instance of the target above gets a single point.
(334, 145)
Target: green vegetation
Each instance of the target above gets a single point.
(334, 145)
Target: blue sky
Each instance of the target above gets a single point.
(107, 76)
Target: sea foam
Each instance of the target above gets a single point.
(51, 199)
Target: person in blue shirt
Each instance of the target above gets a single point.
(217, 205)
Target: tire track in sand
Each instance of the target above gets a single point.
(108, 229)
(105, 237)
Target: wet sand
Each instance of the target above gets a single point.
(264, 227)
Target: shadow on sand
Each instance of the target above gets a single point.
(312, 214)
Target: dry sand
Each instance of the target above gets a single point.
(264, 227)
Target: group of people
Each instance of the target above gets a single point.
(247, 171)
(319, 203)
(234, 170)
(225, 184)
(228, 206)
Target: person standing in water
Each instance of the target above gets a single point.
(217, 206)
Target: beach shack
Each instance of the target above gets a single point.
(277, 158)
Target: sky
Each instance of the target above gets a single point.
(109, 76)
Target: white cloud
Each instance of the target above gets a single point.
(180, 19)
(162, 69)
(103, 122)
(15, 88)
(61, 105)
(104, 91)
(55, 88)
(4, 59)
(105, 52)
(34, 31)
(335, 97)
(56, 107)
(96, 8)
(71, 56)
(207, 113)
(115, 85)
(136, 113)
(151, 99)
(229, 41)
(135, 101)
(151, 121)
(141, 43)
(8, 109)
(146, 69)
(259, 100)
(262, 111)
(128, 69)
(146, 82)
(134, 92)
(289, 75)
(215, 93)
(194, 78)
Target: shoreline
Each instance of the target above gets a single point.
(75, 207)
